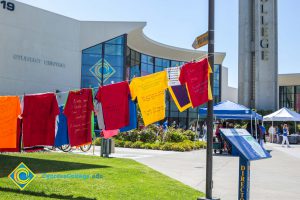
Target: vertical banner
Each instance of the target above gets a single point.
(244, 179)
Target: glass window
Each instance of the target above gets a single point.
(97, 49)
(108, 67)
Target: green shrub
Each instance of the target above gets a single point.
(132, 136)
(119, 143)
(175, 135)
(155, 146)
(148, 135)
(177, 147)
(190, 135)
(166, 146)
(97, 142)
(137, 145)
(147, 146)
(127, 144)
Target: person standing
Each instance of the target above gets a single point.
(204, 129)
(262, 133)
(272, 132)
(285, 133)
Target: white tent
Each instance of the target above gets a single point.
(283, 114)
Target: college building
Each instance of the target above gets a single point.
(46, 52)
(289, 91)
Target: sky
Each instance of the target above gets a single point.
(178, 22)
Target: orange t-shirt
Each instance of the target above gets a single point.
(9, 112)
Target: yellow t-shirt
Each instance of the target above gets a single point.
(9, 112)
(150, 93)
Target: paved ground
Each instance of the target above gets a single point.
(271, 179)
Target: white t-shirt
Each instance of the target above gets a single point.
(272, 130)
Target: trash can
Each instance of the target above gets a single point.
(107, 147)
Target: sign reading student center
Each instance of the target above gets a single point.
(248, 150)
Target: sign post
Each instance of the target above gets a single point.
(244, 179)
(248, 150)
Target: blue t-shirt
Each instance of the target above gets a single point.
(132, 117)
(262, 129)
(165, 125)
(62, 136)
(285, 132)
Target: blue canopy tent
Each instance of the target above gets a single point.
(231, 110)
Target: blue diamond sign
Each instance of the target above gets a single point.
(106, 68)
(21, 176)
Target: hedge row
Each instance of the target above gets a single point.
(186, 145)
(153, 134)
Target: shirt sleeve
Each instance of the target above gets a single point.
(182, 75)
(55, 108)
(98, 95)
(67, 106)
(90, 100)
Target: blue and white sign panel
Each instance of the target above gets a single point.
(245, 144)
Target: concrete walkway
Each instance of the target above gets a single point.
(271, 179)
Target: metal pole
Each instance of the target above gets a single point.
(211, 38)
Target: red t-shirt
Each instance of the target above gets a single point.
(115, 105)
(78, 111)
(195, 76)
(39, 116)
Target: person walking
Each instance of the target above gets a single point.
(285, 133)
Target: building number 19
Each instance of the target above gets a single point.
(8, 5)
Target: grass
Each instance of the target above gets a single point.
(121, 179)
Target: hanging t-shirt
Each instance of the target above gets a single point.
(99, 114)
(196, 77)
(9, 112)
(78, 111)
(110, 133)
(133, 117)
(61, 137)
(178, 92)
(114, 101)
(39, 117)
(150, 93)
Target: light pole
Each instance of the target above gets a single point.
(209, 149)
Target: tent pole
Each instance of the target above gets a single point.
(251, 126)
(255, 128)
(295, 127)
(273, 132)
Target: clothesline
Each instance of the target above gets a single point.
(65, 92)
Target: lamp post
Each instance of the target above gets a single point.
(211, 49)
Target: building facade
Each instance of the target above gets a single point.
(45, 52)
(258, 56)
(289, 91)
